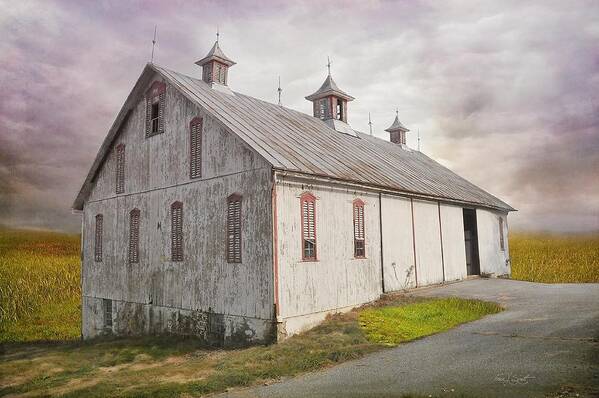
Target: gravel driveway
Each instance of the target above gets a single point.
(546, 342)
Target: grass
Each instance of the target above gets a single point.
(162, 367)
(39, 300)
(392, 325)
(555, 258)
(39, 286)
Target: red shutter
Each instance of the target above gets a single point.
(177, 231)
(155, 94)
(148, 117)
(195, 146)
(98, 237)
(134, 216)
(234, 228)
(308, 212)
(120, 168)
(359, 235)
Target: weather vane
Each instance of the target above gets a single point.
(279, 90)
(153, 44)
(329, 64)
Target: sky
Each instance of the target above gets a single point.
(506, 93)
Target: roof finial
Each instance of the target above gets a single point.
(397, 111)
(369, 123)
(279, 90)
(418, 140)
(329, 64)
(153, 44)
(217, 34)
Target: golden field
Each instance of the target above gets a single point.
(551, 258)
(40, 276)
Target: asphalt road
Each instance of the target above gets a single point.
(546, 342)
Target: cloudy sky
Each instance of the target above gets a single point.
(504, 93)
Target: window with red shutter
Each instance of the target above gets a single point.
(308, 213)
(155, 104)
(134, 216)
(177, 231)
(98, 238)
(234, 228)
(195, 146)
(359, 237)
(120, 168)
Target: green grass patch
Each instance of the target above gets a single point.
(393, 325)
(555, 258)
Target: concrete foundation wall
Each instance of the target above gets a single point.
(135, 319)
(493, 260)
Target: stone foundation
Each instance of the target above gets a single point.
(136, 319)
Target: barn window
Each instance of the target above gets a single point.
(308, 209)
(120, 168)
(359, 238)
(98, 238)
(501, 238)
(155, 98)
(177, 231)
(195, 145)
(134, 236)
(234, 228)
(107, 307)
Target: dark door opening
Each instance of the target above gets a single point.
(471, 240)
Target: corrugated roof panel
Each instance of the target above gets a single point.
(295, 141)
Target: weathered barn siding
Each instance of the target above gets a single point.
(493, 261)
(308, 290)
(156, 175)
(398, 243)
(454, 251)
(429, 263)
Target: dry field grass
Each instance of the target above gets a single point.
(555, 258)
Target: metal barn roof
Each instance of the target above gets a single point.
(297, 142)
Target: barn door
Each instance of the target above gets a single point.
(471, 242)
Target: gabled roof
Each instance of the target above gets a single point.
(397, 126)
(216, 54)
(294, 141)
(329, 87)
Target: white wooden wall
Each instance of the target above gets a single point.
(398, 244)
(337, 279)
(492, 258)
(454, 250)
(157, 174)
(429, 266)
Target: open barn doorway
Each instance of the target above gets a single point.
(471, 241)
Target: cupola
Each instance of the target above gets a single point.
(397, 131)
(329, 103)
(215, 66)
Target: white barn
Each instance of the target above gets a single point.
(215, 214)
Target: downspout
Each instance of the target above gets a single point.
(381, 239)
(441, 239)
(414, 243)
(275, 247)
